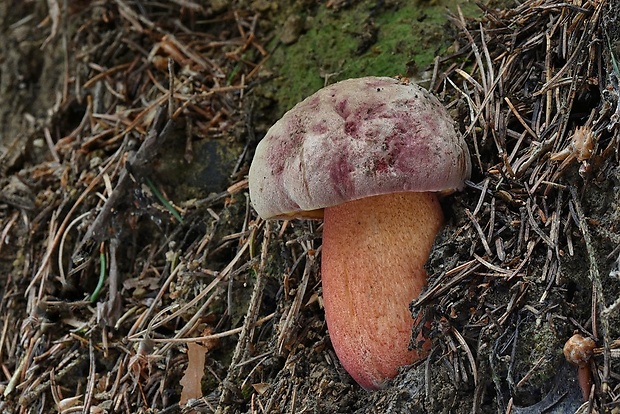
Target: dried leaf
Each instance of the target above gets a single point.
(261, 387)
(66, 404)
(196, 355)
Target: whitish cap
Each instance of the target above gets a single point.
(354, 139)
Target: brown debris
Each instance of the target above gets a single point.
(87, 287)
(530, 255)
(539, 112)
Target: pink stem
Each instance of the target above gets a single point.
(374, 252)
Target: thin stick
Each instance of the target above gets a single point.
(597, 284)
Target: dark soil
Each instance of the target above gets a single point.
(129, 250)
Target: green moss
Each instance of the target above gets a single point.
(359, 41)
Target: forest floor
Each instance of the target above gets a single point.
(135, 276)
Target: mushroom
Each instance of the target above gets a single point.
(369, 156)
(578, 350)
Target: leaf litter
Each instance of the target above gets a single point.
(116, 290)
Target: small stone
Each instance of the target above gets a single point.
(292, 29)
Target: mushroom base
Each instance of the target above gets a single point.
(374, 252)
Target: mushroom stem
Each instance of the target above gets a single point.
(374, 252)
(584, 377)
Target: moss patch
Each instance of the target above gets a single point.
(364, 39)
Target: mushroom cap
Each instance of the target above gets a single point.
(578, 350)
(354, 139)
